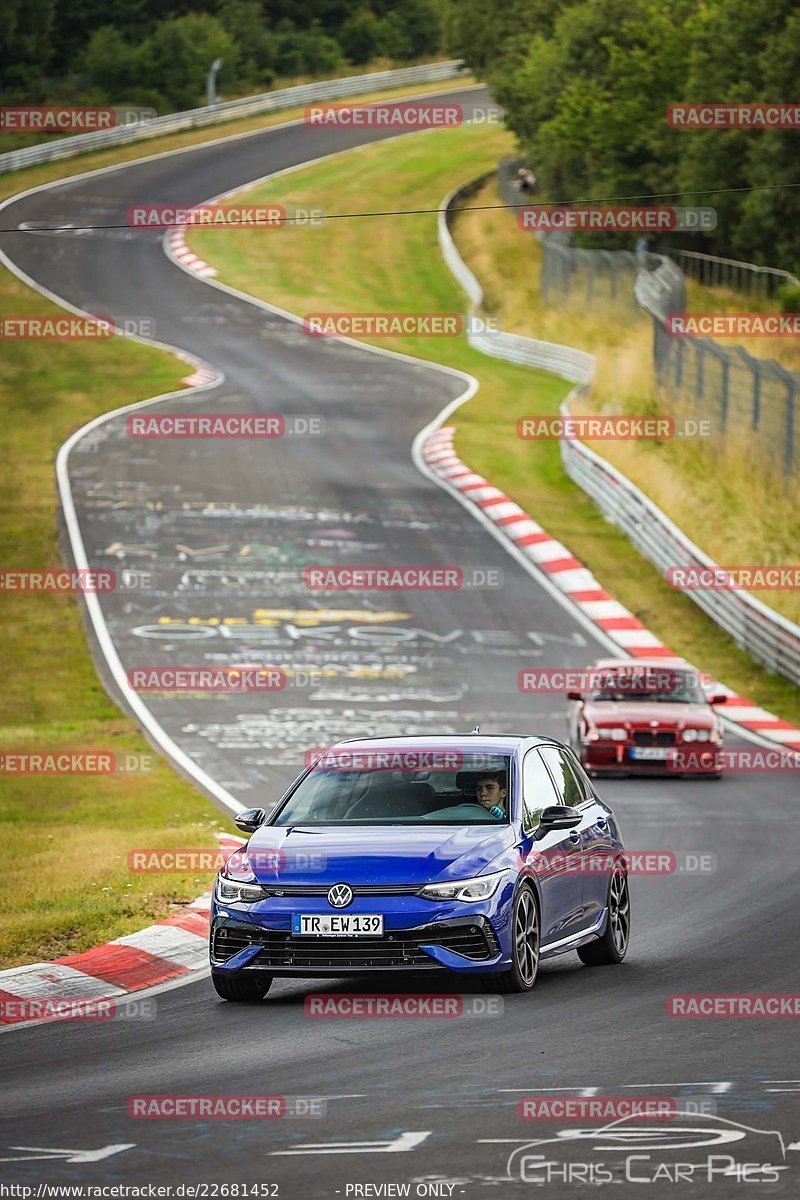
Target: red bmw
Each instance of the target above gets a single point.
(649, 716)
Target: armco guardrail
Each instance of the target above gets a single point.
(768, 637)
(752, 402)
(193, 118)
(712, 271)
(575, 365)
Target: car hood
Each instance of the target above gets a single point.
(372, 854)
(616, 712)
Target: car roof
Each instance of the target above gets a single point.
(672, 661)
(499, 743)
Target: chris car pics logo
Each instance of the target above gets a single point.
(693, 1146)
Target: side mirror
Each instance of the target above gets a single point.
(250, 819)
(557, 816)
(719, 698)
(574, 696)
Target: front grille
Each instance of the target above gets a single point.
(358, 889)
(653, 737)
(475, 941)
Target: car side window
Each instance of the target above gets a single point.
(569, 787)
(538, 791)
(582, 777)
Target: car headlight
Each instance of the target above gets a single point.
(230, 891)
(479, 888)
(616, 734)
(695, 735)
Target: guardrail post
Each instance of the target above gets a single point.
(756, 417)
(699, 351)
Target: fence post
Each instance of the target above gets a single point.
(699, 351)
(788, 454)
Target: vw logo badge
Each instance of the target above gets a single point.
(340, 895)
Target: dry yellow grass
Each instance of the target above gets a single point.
(698, 483)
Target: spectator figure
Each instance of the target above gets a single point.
(525, 181)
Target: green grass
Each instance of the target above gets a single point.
(394, 264)
(64, 840)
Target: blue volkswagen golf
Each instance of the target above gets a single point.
(473, 854)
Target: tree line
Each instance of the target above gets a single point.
(156, 54)
(586, 85)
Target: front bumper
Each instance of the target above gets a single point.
(682, 758)
(415, 938)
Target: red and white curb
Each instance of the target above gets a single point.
(161, 952)
(578, 583)
(201, 377)
(176, 244)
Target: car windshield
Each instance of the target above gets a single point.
(671, 687)
(403, 787)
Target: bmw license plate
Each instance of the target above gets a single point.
(650, 753)
(338, 925)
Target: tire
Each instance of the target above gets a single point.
(613, 945)
(525, 953)
(246, 988)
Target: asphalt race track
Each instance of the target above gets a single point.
(226, 528)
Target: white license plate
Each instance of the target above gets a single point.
(338, 925)
(657, 753)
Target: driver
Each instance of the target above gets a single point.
(490, 792)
